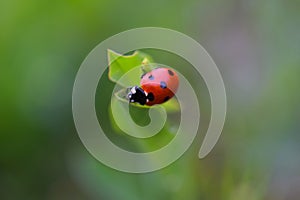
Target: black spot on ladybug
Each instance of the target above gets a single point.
(163, 85)
(151, 77)
(150, 96)
(170, 72)
(166, 98)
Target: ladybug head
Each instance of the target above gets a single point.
(137, 94)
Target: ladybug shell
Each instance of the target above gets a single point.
(162, 83)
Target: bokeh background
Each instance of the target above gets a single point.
(256, 45)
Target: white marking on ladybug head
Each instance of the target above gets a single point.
(133, 91)
(131, 100)
(147, 100)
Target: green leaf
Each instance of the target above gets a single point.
(124, 70)
(120, 64)
(171, 105)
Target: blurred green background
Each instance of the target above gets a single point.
(256, 45)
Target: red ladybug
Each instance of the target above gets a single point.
(157, 86)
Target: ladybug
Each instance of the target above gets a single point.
(157, 86)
